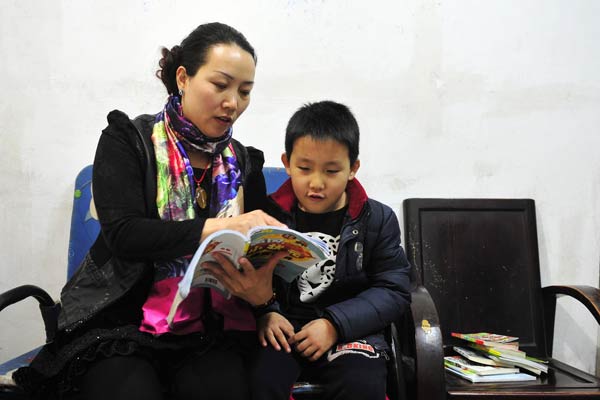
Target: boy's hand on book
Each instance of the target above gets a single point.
(315, 338)
(248, 283)
(275, 329)
(242, 223)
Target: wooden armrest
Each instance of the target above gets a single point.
(587, 295)
(429, 349)
(48, 307)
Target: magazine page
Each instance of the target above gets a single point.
(227, 242)
(303, 250)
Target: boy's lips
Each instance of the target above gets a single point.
(316, 196)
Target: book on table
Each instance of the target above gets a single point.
(476, 378)
(261, 243)
(489, 339)
(468, 366)
(521, 360)
(479, 358)
(484, 349)
(498, 351)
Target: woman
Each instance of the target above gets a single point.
(161, 184)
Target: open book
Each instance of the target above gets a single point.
(258, 246)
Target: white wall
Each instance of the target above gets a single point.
(455, 99)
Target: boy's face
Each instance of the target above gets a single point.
(320, 171)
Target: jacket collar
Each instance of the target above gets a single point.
(357, 197)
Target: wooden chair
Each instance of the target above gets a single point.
(478, 259)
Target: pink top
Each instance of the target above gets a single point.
(237, 315)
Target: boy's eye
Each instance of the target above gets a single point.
(245, 93)
(332, 171)
(303, 168)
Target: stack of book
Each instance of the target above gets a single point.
(492, 358)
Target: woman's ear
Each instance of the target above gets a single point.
(286, 163)
(354, 169)
(181, 77)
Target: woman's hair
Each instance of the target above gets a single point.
(191, 53)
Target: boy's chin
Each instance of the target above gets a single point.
(319, 208)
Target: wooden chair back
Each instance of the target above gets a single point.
(479, 261)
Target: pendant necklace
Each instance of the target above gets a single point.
(201, 197)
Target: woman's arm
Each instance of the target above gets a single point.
(119, 197)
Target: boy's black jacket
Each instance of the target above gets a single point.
(371, 287)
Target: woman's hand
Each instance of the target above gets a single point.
(255, 285)
(275, 329)
(315, 338)
(242, 223)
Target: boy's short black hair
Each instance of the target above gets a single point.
(321, 121)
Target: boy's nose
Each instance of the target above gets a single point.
(316, 182)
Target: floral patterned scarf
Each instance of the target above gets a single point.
(175, 181)
(175, 201)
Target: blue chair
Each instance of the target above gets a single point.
(274, 177)
(84, 223)
(84, 231)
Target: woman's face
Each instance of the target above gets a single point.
(219, 92)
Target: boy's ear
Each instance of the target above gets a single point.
(286, 163)
(353, 169)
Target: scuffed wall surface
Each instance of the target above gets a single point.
(454, 99)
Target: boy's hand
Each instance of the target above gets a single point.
(275, 328)
(315, 338)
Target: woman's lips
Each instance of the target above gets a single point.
(224, 120)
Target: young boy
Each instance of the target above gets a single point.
(327, 324)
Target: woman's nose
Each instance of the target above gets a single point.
(230, 102)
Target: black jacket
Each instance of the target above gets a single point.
(371, 286)
(113, 281)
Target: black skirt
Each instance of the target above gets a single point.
(55, 371)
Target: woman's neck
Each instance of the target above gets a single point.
(199, 159)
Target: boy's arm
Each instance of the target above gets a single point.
(388, 295)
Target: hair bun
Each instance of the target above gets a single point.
(176, 52)
(171, 59)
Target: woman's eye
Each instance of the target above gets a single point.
(245, 93)
(220, 85)
(332, 171)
